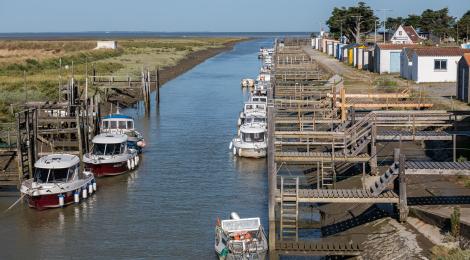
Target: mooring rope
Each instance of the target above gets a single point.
(14, 204)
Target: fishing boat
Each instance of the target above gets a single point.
(256, 98)
(261, 88)
(110, 155)
(252, 109)
(251, 141)
(123, 124)
(57, 182)
(240, 238)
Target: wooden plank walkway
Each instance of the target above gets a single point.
(313, 157)
(394, 135)
(437, 168)
(322, 247)
(342, 196)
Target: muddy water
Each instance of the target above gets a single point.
(168, 207)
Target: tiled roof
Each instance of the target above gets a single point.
(391, 46)
(441, 51)
(466, 56)
(412, 33)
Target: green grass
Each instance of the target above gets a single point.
(41, 60)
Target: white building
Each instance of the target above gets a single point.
(434, 64)
(106, 45)
(405, 35)
(387, 57)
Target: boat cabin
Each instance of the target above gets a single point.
(56, 168)
(259, 99)
(255, 120)
(251, 134)
(117, 123)
(109, 144)
(254, 107)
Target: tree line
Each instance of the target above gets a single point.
(357, 21)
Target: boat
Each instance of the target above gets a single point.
(110, 155)
(251, 141)
(257, 98)
(123, 124)
(58, 181)
(261, 88)
(248, 83)
(252, 109)
(240, 238)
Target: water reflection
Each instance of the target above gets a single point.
(187, 177)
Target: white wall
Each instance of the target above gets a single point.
(425, 69)
(106, 45)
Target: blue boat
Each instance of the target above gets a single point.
(123, 124)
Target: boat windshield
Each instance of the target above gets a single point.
(108, 149)
(256, 120)
(53, 175)
(253, 137)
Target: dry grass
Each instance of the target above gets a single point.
(40, 61)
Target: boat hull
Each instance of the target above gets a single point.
(107, 169)
(251, 152)
(49, 201)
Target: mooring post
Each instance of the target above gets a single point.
(79, 133)
(29, 142)
(157, 83)
(403, 205)
(19, 153)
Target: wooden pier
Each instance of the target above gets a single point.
(317, 128)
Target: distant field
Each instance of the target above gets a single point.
(30, 69)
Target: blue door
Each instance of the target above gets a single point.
(394, 62)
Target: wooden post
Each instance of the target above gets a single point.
(373, 150)
(403, 205)
(343, 104)
(271, 179)
(29, 142)
(19, 154)
(157, 83)
(79, 133)
(454, 147)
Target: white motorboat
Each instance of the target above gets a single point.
(248, 83)
(251, 141)
(57, 182)
(123, 124)
(252, 109)
(240, 238)
(110, 155)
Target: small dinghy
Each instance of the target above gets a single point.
(240, 238)
(58, 181)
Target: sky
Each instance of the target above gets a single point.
(192, 15)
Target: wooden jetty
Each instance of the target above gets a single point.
(321, 131)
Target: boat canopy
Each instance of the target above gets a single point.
(241, 225)
(117, 122)
(110, 139)
(252, 129)
(57, 161)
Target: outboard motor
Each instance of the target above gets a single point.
(234, 215)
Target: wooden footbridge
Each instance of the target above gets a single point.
(314, 124)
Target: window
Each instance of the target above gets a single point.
(113, 125)
(129, 125)
(113, 149)
(58, 175)
(440, 65)
(98, 149)
(40, 175)
(399, 33)
(105, 124)
(122, 124)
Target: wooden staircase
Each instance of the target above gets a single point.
(289, 227)
(385, 180)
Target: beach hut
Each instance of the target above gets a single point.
(365, 59)
(329, 49)
(406, 63)
(371, 58)
(387, 57)
(324, 47)
(463, 78)
(436, 64)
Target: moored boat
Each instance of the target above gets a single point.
(252, 109)
(110, 155)
(248, 83)
(240, 238)
(123, 124)
(58, 181)
(251, 141)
